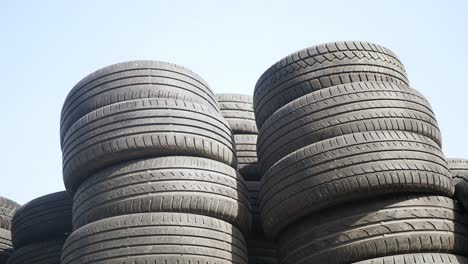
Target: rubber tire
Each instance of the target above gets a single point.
(381, 227)
(6, 247)
(246, 151)
(133, 80)
(323, 66)
(43, 252)
(344, 109)
(238, 111)
(261, 249)
(172, 238)
(43, 218)
(459, 170)
(350, 167)
(418, 258)
(7, 210)
(166, 184)
(144, 128)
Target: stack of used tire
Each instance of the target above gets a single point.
(150, 162)
(459, 171)
(351, 164)
(7, 210)
(40, 228)
(238, 111)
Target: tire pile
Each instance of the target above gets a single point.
(238, 111)
(335, 159)
(351, 164)
(40, 228)
(151, 164)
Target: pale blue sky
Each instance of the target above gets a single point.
(48, 46)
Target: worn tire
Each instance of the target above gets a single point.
(238, 111)
(43, 252)
(459, 170)
(418, 258)
(133, 80)
(6, 247)
(41, 219)
(261, 249)
(246, 150)
(166, 184)
(144, 128)
(320, 67)
(7, 210)
(383, 227)
(344, 109)
(350, 167)
(172, 238)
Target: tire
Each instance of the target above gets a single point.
(44, 252)
(246, 150)
(344, 109)
(417, 258)
(320, 67)
(43, 218)
(144, 128)
(133, 80)
(238, 111)
(459, 170)
(172, 238)
(6, 247)
(166, 184)
(350, 167)
(383, 227)
(261, 249)
(7, 210)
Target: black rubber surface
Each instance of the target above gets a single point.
(238, 111)
(344, 109)
(43, 218)
(320, 67)
(169, 238)
(133, 80)
(418, 258)
(7, 210)
(382, 227)
(6, 247)
(246, 150)
(144, 128)
(165, 184)
(459, 171)
(350, 167)
(44, 252)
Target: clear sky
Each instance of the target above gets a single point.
(48, 46)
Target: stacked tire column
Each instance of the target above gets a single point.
(351, 163)
(7, 210)
(40, 228)
(151, 162)
(238, 111)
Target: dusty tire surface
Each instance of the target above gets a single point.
(322, 66)
(238, 111)
(386, 226)
(246, 150)
(6, 246)
(7, 210)
(44, 252)
(144, 128)
(459, 170)
(172, 238)
(350, 167)
(43, 218)
(165, 184)
(133, 80)
(418, 258)
(345, 109)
